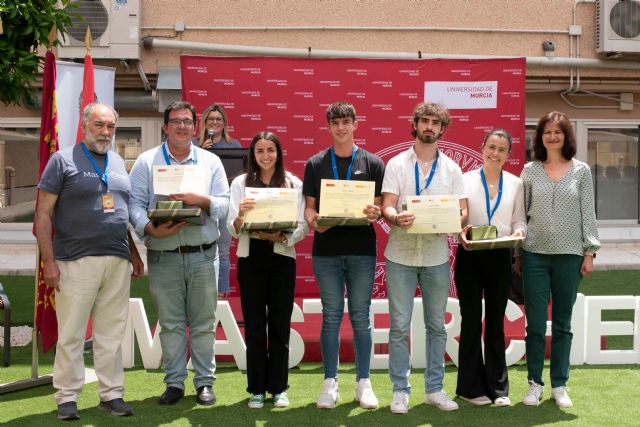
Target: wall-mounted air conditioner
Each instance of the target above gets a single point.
(618, 26)
(115, 30)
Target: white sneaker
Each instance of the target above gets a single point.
(533, 395)
(365, 395)
(561, 397)
(441, 400)
(502, 401)
(400, 403)
(478, 401)
(329, 395)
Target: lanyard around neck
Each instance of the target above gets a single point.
(335, 167)
(491, 212)
(102, 174)
(429, 178)
(166, 155)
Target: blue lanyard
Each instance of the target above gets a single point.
(429, 178)
(102, 174)
(490, 211)
(335, 167)
(166, 155)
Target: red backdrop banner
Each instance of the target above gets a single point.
(289, 97)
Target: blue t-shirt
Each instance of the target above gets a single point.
(82, 228)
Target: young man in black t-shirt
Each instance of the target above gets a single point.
(345, 255)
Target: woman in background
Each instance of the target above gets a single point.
(495, 197)
(561, 242)
(266, 273)
(214, 135)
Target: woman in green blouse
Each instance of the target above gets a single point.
(558, 251)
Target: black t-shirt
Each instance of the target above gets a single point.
(346, 240)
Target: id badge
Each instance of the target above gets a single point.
(108, 205)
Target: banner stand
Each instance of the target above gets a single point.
(35, 380)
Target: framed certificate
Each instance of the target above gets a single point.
(343, 202)
(434, 214)
(275, 209)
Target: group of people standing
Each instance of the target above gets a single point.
(551, 204)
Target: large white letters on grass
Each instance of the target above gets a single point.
(587, 327)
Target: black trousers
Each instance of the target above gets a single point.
(267, 281)
(482, 273)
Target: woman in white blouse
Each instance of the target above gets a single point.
(495, 197)
(266, 273)
(561, 242)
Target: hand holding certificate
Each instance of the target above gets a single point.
(344, 202)
(434, 214)
(272, 209)
(180, 179)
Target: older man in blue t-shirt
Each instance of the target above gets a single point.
(83, 193)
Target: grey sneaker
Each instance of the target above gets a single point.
(68, 411)
(117, 407)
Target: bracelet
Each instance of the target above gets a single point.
(395, 220)
(283, 239)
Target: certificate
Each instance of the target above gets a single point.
(180, 179)
(273, 205)
(434, 214)
(345, 199)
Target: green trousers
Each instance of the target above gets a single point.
(556, 277)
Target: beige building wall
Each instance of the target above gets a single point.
(435, 28)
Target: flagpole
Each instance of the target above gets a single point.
(35, 380)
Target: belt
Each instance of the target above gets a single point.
(191, 249)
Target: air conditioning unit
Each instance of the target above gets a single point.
(115, 30)
(618, 26)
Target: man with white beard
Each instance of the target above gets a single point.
(84, 192)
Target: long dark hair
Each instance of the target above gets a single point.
(569, 146)
(253, 170)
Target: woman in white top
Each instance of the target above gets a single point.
(495, 197)
(266, 273)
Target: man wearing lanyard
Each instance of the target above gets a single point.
(421, 259)
(84, 192)
(181, 258)
(344, 256)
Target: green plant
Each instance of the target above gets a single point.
(26, 26)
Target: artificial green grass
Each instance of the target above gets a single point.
(602, 395)
(599, 399)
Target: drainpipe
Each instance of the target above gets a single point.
(155, 43)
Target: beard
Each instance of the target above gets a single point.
(99, 145)
(427, 138)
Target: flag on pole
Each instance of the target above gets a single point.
(88, 91)
(46, 322)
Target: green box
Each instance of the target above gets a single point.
(169, 204)
(484, 232)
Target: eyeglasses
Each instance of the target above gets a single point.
(215, 119)
(184, 122)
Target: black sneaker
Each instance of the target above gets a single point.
(68, 411)
(117, 407)
(171, 396)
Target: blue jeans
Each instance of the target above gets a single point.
(401, 289)
(224, 263)
(183, 287)
(357, 273)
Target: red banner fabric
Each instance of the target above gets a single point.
(289, 98)
(46, 321)
(88, 92)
